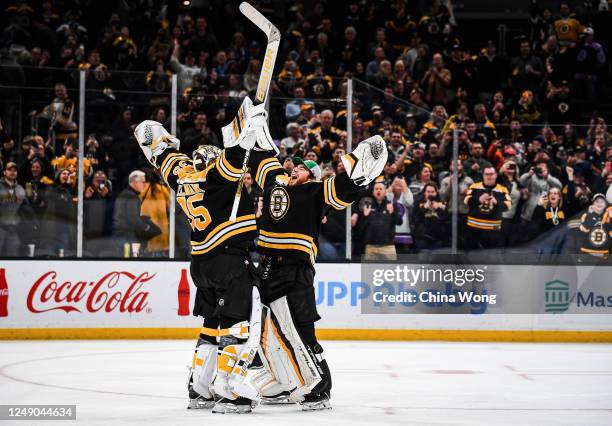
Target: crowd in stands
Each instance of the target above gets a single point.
(534, 167)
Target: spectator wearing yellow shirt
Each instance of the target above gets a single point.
(70, 161)
(567, 27)
(155, 201)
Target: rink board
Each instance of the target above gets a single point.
(139, 300)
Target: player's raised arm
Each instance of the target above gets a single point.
(362, 166)
(249, 131)
(162, 150)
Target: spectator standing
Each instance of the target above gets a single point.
(509, 176)
(129, 226)
(97, 215)
(155, 205)
(596, 228)
(567, 27)
(525, 70)
(185, 71)
(549, 213)
(476, 163)
(590, 65)
(376, 221)
(403, 201)
(61, 216)
(373, 66)
(430, 220)
(293, 137)
(538, 181)
(436, 81)
(486, 200)
(490, 72)
(69, 160)
(199, 135)
(12, 197)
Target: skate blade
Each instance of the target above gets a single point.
(316, 405)
(229, 408)
(200, 404)
(280, 400)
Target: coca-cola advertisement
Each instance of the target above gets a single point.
(4, 294)
(88, 294)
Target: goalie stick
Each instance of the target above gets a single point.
(265, 77)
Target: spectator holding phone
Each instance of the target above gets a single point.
(376, 222)
(403, 200)
(97, 214)
(430, 220)
(538, 181)
(487, 200)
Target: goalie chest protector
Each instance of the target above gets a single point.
(291, 218)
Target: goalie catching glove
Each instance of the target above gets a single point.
(153, 139)
(249, 129)
(367, 161)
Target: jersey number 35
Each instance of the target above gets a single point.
(198, 215)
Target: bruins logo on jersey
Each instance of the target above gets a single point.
(598, 237)
(179, 167)
(279, 203)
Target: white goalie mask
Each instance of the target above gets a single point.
(205, 155)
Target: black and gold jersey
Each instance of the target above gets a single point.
(597, 232)
(291, 219)
(488, 215)
(206, 197)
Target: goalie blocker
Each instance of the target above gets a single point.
(294, 206)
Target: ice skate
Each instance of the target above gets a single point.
(316, 402)
(238, 406)
(198, 402)
(280, 399)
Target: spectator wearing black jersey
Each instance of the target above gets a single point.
(376, 221)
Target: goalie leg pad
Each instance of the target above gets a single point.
(289, 358)
(203, 368)
(238, 377)
(227, 355)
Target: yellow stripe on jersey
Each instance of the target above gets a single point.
(330, 196)
(288, 241)
(168, 158)
(223, 231)
(489, 225)
(169, 163)
(287, 235)
(241, 118)
(229, 165)
(264, 167)
(351, 162)
(235, 128)
(226, 170)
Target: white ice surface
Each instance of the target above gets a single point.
(375, 383)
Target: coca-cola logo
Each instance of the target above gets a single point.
(116, 291)
(3, 291)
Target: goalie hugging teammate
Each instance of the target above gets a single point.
(226, 373)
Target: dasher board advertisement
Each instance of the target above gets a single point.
(160, 295)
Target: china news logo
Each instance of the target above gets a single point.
(556, 296)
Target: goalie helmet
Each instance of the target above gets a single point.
(204, 155)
